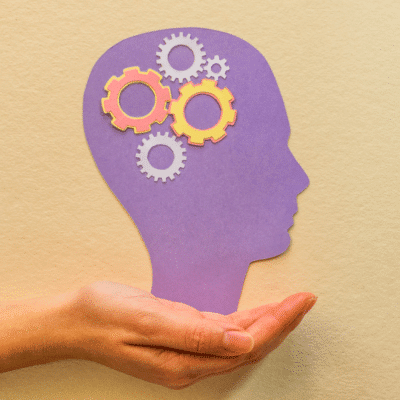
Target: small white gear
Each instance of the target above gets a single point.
(165, 66)
(164, 140)
(223, 68)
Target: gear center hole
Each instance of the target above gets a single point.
(202, 111)
(137, 100)
(161, 156)
(181, 58)
(216, 68)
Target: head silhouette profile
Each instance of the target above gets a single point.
(227, 201)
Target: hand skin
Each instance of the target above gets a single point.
(132, 331)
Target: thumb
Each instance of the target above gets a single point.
(192, 333)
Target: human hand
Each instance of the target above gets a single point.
(170, 343)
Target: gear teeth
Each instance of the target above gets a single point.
(105, 102)
(208, 84)
(179, 126)
(172, 107)
(181, 40)
(114, 86)
(197, 136)
(223, 68)
(232, 117)
(196, 142)
(218, 135)
(186, 89)
(228, 94)
(162, 138)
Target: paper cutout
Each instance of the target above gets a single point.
(115, 86)
(234, 201)
(164, 140)
(197, 136)
(181, 40)
(223, 68)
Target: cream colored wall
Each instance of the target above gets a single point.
(337, 65)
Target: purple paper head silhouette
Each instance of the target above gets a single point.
(189, 130)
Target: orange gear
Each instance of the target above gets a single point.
(115, 86)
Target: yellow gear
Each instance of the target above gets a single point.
(197, 136)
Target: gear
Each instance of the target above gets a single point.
(181, 40)
(115, 86)
(197, 136)
(171, 143)
(216, 61)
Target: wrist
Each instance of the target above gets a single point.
(36, 331)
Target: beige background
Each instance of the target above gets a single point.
(337, 65)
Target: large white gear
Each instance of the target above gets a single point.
(223, 68)
(171, 143)
(165, 66)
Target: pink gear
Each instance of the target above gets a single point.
(111, 105)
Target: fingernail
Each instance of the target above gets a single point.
(238, 342)
(309, 305)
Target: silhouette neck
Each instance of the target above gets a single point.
(206, 286)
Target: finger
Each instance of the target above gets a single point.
(178, 368)
(246, 318)
(269, 327)
(264, 347)
(192, 332)
(293, 305)
(261, 352)
(216, 316)
(296, 322)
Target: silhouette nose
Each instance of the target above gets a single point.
(302, 180)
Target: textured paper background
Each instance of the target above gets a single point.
(337, 66)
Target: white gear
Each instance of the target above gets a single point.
(219, 74)
(193, 70)
(164, 140)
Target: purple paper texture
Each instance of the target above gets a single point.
(234, 200)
